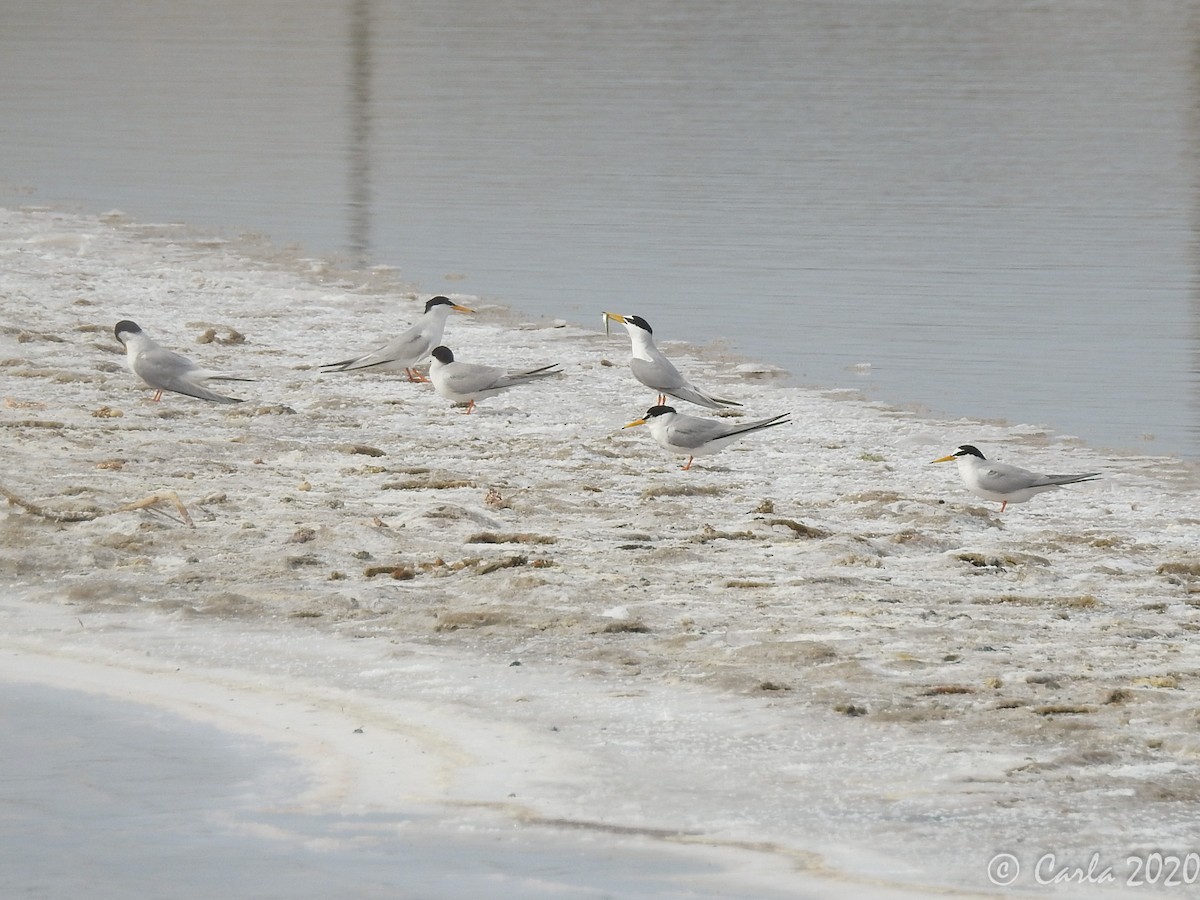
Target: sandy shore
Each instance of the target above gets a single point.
(815, 644)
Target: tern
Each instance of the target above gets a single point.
(692, 436)
(166, 370)
(1004, 483)
(462, 381)
(410, 348)
(657, 372)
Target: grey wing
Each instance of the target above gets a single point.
(166, 370)
(159, 367)
(692, 433)
(514, 378)
(467, 378)
(1004, 479)
(693, 395)
(407, 349)
(759, 424)
(1066, 479)
(660, 374)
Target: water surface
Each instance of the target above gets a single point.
(985, 209)
(110, 800)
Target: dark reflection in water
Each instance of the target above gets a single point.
(359, 203)
(984, 209)
(1191, 444)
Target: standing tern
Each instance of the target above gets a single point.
(1004, 483)
(410, 348)
(692, 436)
(166, 370)
(657, 372)
(461, 381)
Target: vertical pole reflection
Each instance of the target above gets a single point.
(359, 195)
(1192, 433)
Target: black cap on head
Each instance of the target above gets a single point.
(969, 450)
(640, 323)
(443, 354)
(126, 327)
(438, 301)
(658, 411)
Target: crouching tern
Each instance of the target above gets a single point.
(1004, 483)
(692, 436)
(462, 381)
(410, 348)
(655, 371)
(166, 370)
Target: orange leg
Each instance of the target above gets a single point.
(414, 375)
(1003, 503)
(470, 406)
(157, 396)
(689, 463)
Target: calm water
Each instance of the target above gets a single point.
(109, 800)
(992, 204)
